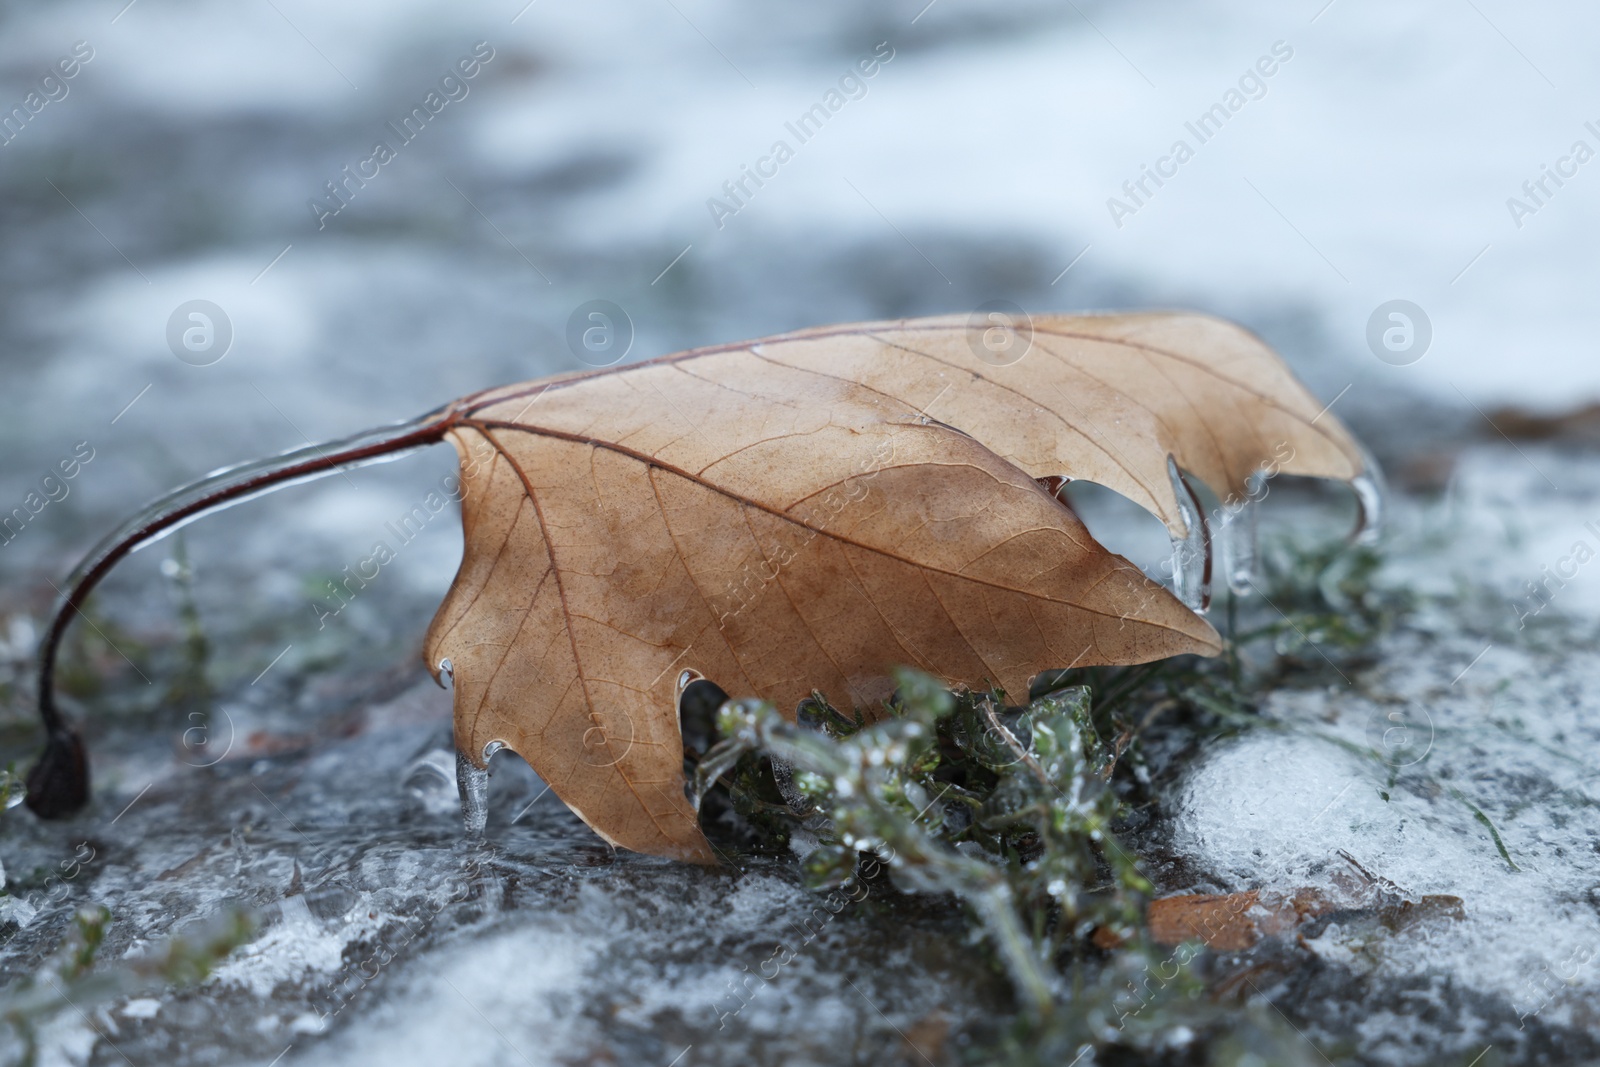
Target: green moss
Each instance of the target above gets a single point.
(1015, 810)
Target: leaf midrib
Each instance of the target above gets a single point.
(483, 425)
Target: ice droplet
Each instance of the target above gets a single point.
(1191, 554)
(472, 782)
(447, 674)
(1371, 492)
(1237, 532)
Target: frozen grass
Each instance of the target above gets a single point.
(1014, 812)
(1375, 714)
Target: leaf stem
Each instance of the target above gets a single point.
(58, 784)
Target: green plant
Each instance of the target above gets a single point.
(1015, 811)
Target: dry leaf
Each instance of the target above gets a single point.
(1233, 922)
(800, 513)
(808, 511)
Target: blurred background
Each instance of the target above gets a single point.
(985, 158)
(1338, 156)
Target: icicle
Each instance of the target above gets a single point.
(1191, 555)
(1237, 533)
(472, 782)
(1370, 494)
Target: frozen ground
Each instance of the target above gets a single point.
(395, 937)
(1467, 726)
(977, 165)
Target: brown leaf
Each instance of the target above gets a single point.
(1233, 922)
(807, 511)
(1221, 922)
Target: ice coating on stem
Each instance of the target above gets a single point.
(1191, 554)
(204, 495)
(58, 784)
